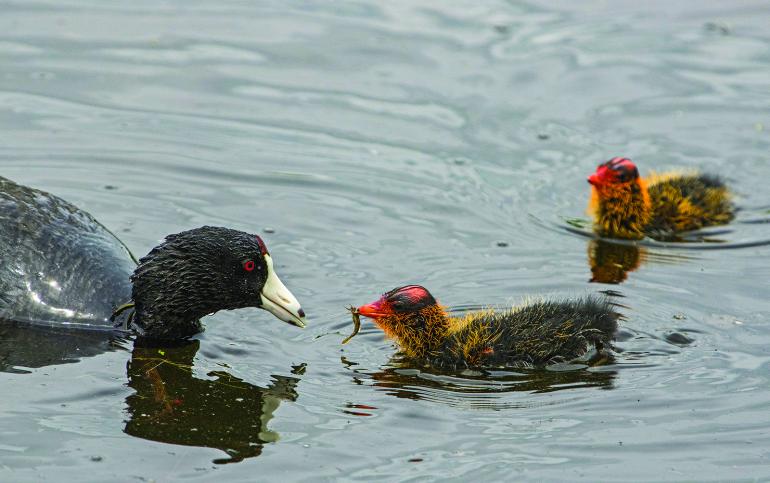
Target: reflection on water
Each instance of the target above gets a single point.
(483, 388)
(25, 346)
(714, 238)
(380, 143)
(611, 262)
(172, 405)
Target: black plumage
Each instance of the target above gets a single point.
(61, 267)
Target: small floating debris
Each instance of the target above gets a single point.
(721, 27)
(502, 244)
(577, 222)
(268, 230)
(679, 339)
(356, 324)
(543, 136)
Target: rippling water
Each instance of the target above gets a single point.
(375, 145)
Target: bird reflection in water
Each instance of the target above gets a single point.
(611, 262)
(172, 405)
(483, 388)
(24, 347)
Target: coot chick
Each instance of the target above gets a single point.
(61, 267)
(535, 334)
(627, 206)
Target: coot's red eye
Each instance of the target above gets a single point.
(248, 265)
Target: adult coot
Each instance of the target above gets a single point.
(536, 334)
(61, 267)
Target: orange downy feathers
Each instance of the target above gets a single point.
(621, 210)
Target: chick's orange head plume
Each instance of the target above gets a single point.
(409, 298)
(616, 170)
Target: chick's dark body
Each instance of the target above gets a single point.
(688, 202)
(537, 334)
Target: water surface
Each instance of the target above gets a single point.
(374, 145)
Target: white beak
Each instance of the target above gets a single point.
(277, 299)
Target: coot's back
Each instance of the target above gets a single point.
(58, 265)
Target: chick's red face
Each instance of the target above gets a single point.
(615, 171)
(401, 300)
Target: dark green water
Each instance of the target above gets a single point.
(378, 144)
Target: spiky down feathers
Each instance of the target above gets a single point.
(661, 206)
(539, 333)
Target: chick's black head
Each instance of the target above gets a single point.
(617, 170)
(410, 298)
